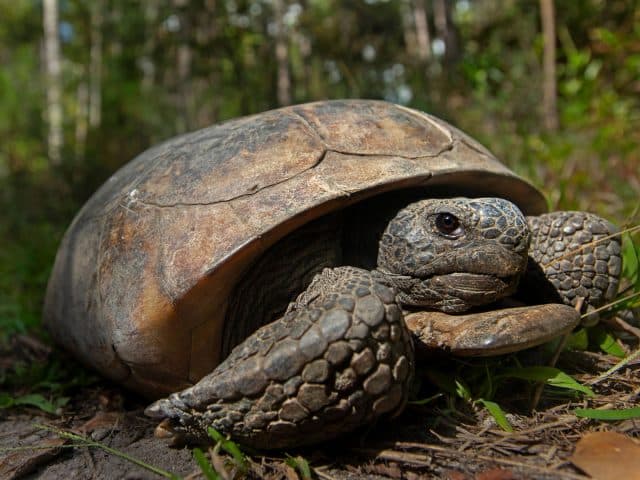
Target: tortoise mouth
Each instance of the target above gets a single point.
(454, 292)
(476, 282)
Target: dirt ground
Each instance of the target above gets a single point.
(427, 441)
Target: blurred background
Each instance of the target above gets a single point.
(551, 87)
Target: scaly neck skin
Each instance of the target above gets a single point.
(454, 254)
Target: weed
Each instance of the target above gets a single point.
(81, 441)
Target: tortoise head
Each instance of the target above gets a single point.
(453, 254)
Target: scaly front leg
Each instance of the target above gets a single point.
(340, 357)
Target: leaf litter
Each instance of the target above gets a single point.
(457, 435)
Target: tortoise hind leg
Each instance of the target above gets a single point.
(340, 357)
(573, 256)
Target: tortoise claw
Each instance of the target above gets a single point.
(164, 430)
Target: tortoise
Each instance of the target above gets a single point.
(276, 270)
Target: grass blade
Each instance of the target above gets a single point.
(497, 413)
(596, 414)
(90, 443)
(425, 401)
(606, 342)
(206, 467)
(300, 464)
(621, 364)
(39, 401)
(630, 262)
(231, 448)
(33, 400)
(550, 375)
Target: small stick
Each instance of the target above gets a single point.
(626, 327)
(622, 363)
(590, 244)
(611, 304)
(537, 394)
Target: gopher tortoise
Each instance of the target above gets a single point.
(276, 270)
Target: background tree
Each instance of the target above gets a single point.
(52, 64)
(549, 93)
(90, 89)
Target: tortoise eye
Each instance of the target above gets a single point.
(448, 224)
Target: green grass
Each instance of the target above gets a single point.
(46, 384)
(81, 441)
(480, 382)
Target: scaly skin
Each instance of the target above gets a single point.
(476, 264)
(329, 365)
(342, 355)
(572, 259)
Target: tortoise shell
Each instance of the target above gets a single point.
(142, 278)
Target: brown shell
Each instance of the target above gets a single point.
(141, 280)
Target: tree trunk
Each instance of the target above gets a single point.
(95, 64)
(183, 82)
(53, 86)
(549, 89)
(208, 27)
(423, 38)
(184, 87)
(282, 55)
(408, 30)
(149, 46)
(82, 113)
(446, 29)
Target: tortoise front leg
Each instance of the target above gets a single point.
(573, 256)
(340, 357)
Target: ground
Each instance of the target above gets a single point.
(442, 438)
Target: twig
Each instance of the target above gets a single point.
(610, 304)
(420, 460)
(39, 447)
(626, 327)
(590, 244)
(564, 421)
(319, 471)
(537, 394)
(622, 363)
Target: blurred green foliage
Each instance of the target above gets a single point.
(169, 66)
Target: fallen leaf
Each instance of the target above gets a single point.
(414, 476)
(390, 470)
(27, 459)
(496, 474)
(455, 475)
(290, 472)
(106, 420)
(608, 456)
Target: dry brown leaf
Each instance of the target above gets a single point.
(390, 469)
(290, 472)
(22, 462)
(608, 456)
(496, 474)
(455, 475)
(219, 463)
(105, 420)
